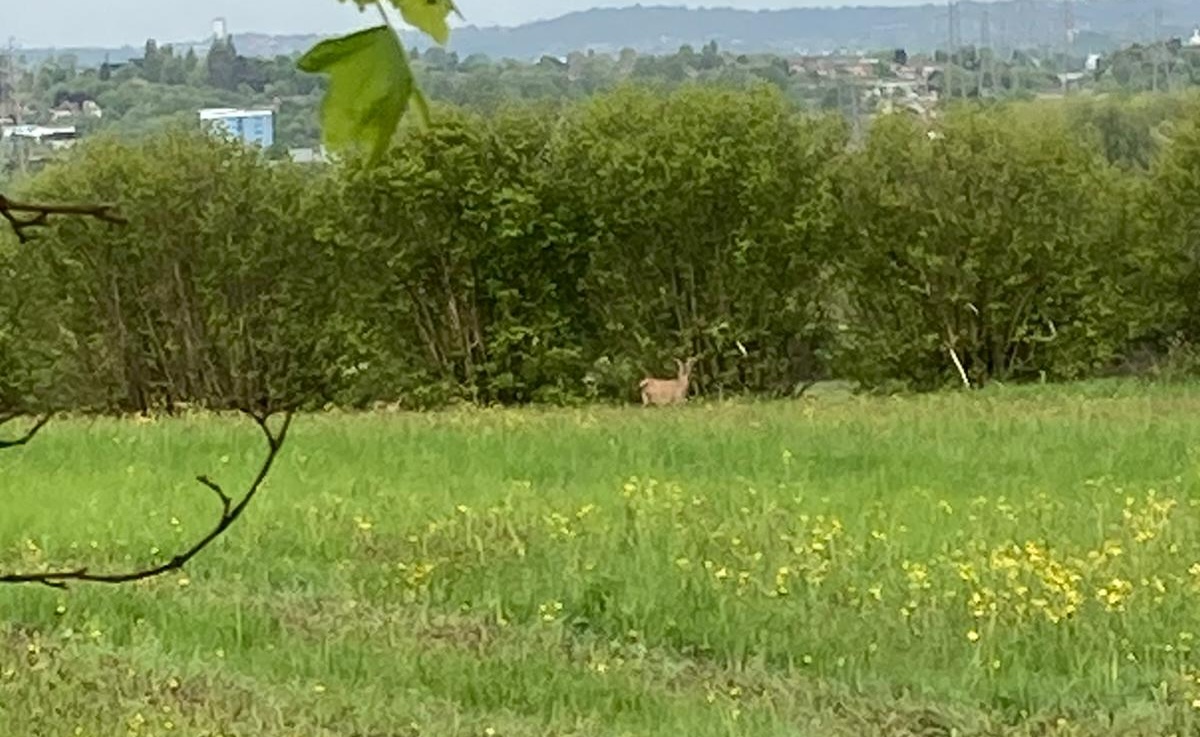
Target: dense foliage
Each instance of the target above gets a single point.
(546, 254)
(1002, 239)
(201, 297)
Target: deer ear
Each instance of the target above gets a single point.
(678, 364)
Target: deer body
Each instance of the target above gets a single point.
(668, 391)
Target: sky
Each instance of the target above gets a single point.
(60, 23)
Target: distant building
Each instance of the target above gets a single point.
(56, 136)
(1195, 39)
(220, 29)
(1070, 79)
(308, 155)
(252, 127)
(68, 109)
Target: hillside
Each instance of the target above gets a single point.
(1102, 24)
(664, 29)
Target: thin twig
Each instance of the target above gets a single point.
(962, 374)
(29, 434)
(950, 343)
(383, 14)
(39, 214)
(229, 514)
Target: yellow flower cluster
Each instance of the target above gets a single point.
(988, 573)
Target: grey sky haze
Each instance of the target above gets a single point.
(59, 23)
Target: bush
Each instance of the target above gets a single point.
(997, 235)
(216, 292)
(707, 217)
(537, 255)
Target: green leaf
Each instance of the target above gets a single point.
(422, 107)
(370, 86)
(429, 16)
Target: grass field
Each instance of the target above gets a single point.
(1017, 562)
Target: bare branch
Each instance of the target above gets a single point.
(229, 514)
(803, 387)
(226, 501)
(29, 434)
(25, 215)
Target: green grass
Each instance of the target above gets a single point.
(831, 566)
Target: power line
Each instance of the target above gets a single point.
(1068, 17)
(13, 103)
(984, 53)
(9, 76)
(954, 29)
(1156, 46)
(1024, 24)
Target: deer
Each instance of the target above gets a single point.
(668, 391)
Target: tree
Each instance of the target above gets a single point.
(190, 61)
(710, 56)
(462, 298)
(706, 217)
(152, 62)
(221, 64)
(993, 246)
(1171, 256)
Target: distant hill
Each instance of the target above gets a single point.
(664, 29)
(1100, 24)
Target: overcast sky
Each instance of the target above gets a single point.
(116, 22)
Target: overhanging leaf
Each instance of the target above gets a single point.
(428, 16)
(370, 86)
(422, 107)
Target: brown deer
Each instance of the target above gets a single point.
(668, 391)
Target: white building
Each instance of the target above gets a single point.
(249, 126)
(56, 136)
(1194, 41)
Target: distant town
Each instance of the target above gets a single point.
(50, 101)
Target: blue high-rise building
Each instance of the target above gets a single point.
(252, 127)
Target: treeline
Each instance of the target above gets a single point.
(554, 256)
(168, 85)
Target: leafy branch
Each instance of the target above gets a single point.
(371, 83)
(231, 510)
(25, 215)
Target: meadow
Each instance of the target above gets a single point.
(1018, 561)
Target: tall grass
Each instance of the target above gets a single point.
(1011, 562)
